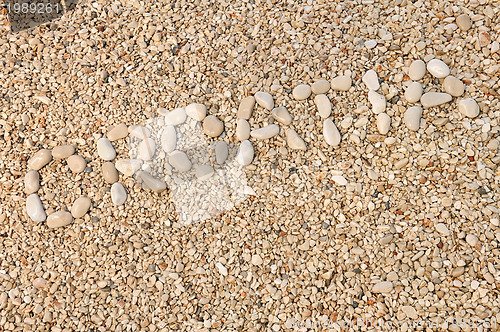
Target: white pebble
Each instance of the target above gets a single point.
(294, 141)
(431, 99)
(324, 106)
(176, 117)
(80, 207)
(265, 132)
(383, 123)
(180, 161)
(453, 86)
(151, 183)
(221, 268)
(378, 102)
(265, 100)
(246, 107)
(301, 92)
(40, 159)
(76, 163)
(417, 70)
(146, 149)
(341, 83)
(242, 129)
(468, 107)
(413, 92)
(331, 133)
(212, 126)
(168, 139)
(105, 149)
(118, 194)
(59, 219)
(128, 166)
(196, 111)
(340, 180)
(139, 132)
(412, 117)
(441, 228)
(369, 44)
(35, 209)
(438, 68)
(118, 132)
(371, 80)
(31, 182)
(204, 172)
(245, 153)
(63, 151)
(221, 152)
(281, 114)
(383, 287)
(319, 87)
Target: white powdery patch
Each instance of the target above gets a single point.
(196, 198)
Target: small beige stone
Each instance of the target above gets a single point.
(383, 287)
(294, 141)
(40, 159)
(63, 151)
(324, 106)
(453, 86)
(341, 83)
(76, 163)
(246, 108)
(257, 260)
(212, 126)
(281, 114)
(301, 92)
(417, 70)
(409, 311)
(242, 129)
(59, 219)
(80, 207)
(31, 182)
(118, 132)
(320, 87)
(463, 21)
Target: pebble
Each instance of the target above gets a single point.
(377, 101)
(265, 132)
(442, 228)
(413, 92)
(472, 240)
(412, 117)
(63, 151)
(331, 133)
(458, 271)
(417, 70)
(152, 183)
(212, 126)
(341, 83)
(438, 68)
(369, 44)
(257, 260)
(371, 80)
(222, 269)
(168, 139)
(383, 123)
(40, 159)
(221, 152)
(118, 132)
(431, 99)
(383, 287)
(180, 161)
(301, 92)
(410, 312)
(76, 163)
(340, 180)
(31, 182)
(281, 114)
(176, 117)
(468, 107)
(324, 106)
(463, 21)
(105, 149)
(204, 172)
(39, 283)
(196, 111)
(35, 209)
(245, 153)
(146, 149)
(294, 141)
(453, 86)
(246, 107)
(80, 207)
(320, 86)
(265, 100)
(109, 172)
(128, 167)
(118, 194)
(59, 219)
(242, 129)
(139, 132)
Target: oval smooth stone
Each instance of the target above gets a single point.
(169, 139)
(80, 207)
(180, 161)
(453, 86)
(413, 92)
(221, 152)
(281, 114)
(242, 129)
(294, 141)
(196, 111)
(431, 99)
(152, 183)
(341, 83)
(176, 117)
(139, 132)
(245, 109)
(109, 172)
(63, 151)
(76, 163)
(417, 70)
(245, 153)
(105, 149)
(40, 159)
(265, 100)
(383, 123)
(412, 117)
(146, 149)
(438, 68)
(204, 172)
(319, 87)
(118, 194)
(35, 209)
(31, 182)
(265, 132)
(324, 106)
(128, 167)
(118, 132)
(301, 92)
(59, 219)
(378, 102)
(331, 133)
(371, 80)
(212, 126)
(468, 107)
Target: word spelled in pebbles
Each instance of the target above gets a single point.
(431, 99)
(319, 87)
(331, 133)
(118, 132)
(341, 83)
(453, 86)
(118, 194)
(176, 117)
(324, 106)
(151, 183)
(40, 159)
(80, 207)
(377, 101)
(265, 100)
(105, 149)
(59, 219)
(417, 70)
(301, 92)
(180, 161)
(109, 172)
(31, 182)
(412, 117)
(468, 107)
(76, 163)
(281, 115)
(383, 287)
(245, 153)
(242, 129)
(371, 80)
(204, 172)
(35, 209)
(212, 126)
(265, 132)
(246, 107)
(63, 151)
(139, 132)
(383, 123)
(413, 92)
(438, 68)
(294, 141)
(168, 139)
(196, 111)
(146, 149)
(221, 152)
